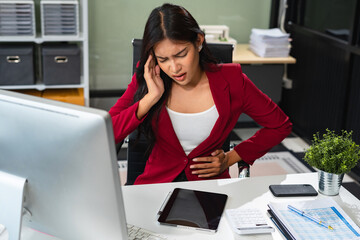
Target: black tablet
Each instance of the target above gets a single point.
(193, 209)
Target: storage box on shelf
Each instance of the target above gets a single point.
(61, 64)
(77, 10)
(17, 64)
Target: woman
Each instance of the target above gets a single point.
(187, 105)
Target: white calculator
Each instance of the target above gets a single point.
(247, 221)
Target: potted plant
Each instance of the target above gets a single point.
(334, 155)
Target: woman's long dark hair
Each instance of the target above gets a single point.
(175, 23)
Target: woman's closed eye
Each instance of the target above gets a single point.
(162, 60)
(182, 54)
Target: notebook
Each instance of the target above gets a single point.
(295, 226)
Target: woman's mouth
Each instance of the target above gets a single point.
(179, 77)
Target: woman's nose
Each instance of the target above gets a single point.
(175, 67)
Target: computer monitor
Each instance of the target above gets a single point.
(67, 155)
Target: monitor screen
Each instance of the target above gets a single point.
(67, 155)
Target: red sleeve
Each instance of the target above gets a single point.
(276, 125)
(123, 113)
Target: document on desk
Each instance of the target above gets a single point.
(324, 209)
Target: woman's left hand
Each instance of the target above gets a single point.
(211, 166)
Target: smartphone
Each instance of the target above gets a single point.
(293, 190)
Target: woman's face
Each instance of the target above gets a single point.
(179, 60)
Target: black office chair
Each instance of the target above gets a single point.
(136, 149)
(223, 52)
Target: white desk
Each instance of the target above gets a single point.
(142, 203)
(243, 55)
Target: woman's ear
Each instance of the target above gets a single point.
(199, 41)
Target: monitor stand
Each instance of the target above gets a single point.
(11, 203)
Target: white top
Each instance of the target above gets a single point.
(193, 128)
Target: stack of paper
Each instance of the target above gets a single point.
(269, 42)
(296, 226)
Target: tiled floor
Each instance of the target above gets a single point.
(285, 158)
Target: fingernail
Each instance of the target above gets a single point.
(192, 166)
(195, 159)
(213, 153)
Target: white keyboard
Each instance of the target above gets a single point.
(136, 233)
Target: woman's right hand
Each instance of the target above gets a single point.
(155, 87)
(153, 80)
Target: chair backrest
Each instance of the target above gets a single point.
(136, 156)
(136, 149)
(222, 51)
(137, 43)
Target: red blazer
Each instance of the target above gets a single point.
(233, 94)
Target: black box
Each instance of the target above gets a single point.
(61, 64)
(17, 64)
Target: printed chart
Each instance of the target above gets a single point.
(308, 230)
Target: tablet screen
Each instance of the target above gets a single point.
(193, 208)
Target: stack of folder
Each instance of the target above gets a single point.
(269, 42)
(316, 219)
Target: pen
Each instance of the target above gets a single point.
(302, 213)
